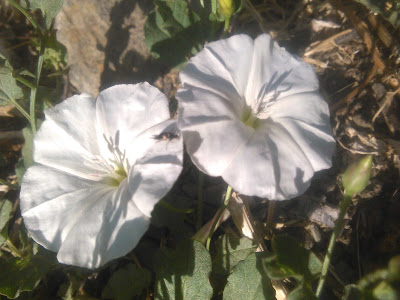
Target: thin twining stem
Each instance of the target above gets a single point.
(338, 227)
(221, 211)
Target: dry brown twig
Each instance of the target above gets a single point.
(255, 14)
(327, 44)
(379, 65)
(386, 102)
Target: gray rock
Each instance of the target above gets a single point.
(105, 43)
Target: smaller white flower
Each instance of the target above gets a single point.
(99, 170)
(251, 113)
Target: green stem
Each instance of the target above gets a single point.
(10, 185)
(21, 109)
(174, 209)
(25, 82)
(26, 14)
(13, 249)
(34, 90)
(221, 211)
(338, 227)
(226, 27)
(199, 219)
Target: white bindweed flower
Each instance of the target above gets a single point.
(250, 112)
(100, 167)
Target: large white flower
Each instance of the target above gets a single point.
(250, 112)
(100, 167)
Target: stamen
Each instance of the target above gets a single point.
(118, 160)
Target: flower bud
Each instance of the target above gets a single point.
(356, 177)
(227, 8)
(394, 267)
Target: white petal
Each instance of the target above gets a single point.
(55, 148)
(150, 142)
(274, 70)
(271, 165)
(67, 139)
(157, 170)
(77, 117)
(48, 197)
(202, 106)
(222, 67)
(306, 107)
(213, 149)
(88, 224)
(129, 110)
(108, 229)
(306, 118)
(211, 129)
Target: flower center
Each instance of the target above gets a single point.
(250, 119)
(116, 177)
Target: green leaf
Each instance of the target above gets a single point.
(20, 170)
(9, 90)
(292, 260)
(214, 7)
(392, 13)
(385, 291)
(27, 152)
(302, 292)
(248, 281)
(55, 54)
(69, 290)
(174, 220)
(352, 292)
(6, 208)
(230, 251)
(3, 235)
(27, 149)
(2, 160)
(22, 274)
(127, 282)
(173, 32)
(49, 8)
(182, 273)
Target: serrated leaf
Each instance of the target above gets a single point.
(49, 8)
(182, 273)
(22, 274)
(173, 32)
(248, 282)
(126, 283)
(230, 251)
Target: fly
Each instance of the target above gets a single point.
(166, 136)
